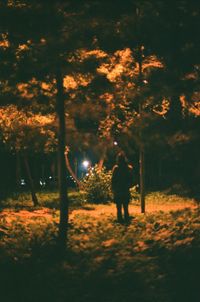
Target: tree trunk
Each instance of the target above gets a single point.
(64, 203)
(142, 180)
(160, 178)
(31, 182)
(102, 159)
(18, 170)
(174, 114)
(71, 170)
(101, 162)
(76, 167)
(141, 152)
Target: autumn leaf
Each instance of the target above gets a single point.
(109, 243)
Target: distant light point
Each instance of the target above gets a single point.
(85, 164)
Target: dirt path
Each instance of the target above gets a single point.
(94, 210)
(109, 210)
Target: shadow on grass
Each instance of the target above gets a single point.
(46, 277)
(182, 273)
(70, 279)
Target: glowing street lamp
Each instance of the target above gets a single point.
(85, 164)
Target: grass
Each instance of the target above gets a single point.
(154, 258)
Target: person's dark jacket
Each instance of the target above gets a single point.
(122, 179)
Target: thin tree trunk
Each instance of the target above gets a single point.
(71, 170)
(43, 172)
(101, 162)
(76, 167)
(54, 165)
(64, 203)
(159, 181)
(18, 170)
(142, 180)
(141, 152)
(31, 182)
(174, 114)
(102, 159)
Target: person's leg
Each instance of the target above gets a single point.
(119, 211)
(126, 212)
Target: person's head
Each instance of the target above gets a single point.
(121, 159)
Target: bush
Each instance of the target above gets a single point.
(135, 196)
(97, 186)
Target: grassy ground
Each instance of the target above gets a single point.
(154, 258)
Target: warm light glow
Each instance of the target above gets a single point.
(73, 82)
(85, 163)
(123, 62)
(4, 44)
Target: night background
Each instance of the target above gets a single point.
(81, 81)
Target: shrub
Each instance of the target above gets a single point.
(97, 185)
(135, 196)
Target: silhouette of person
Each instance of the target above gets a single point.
(122, 180)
